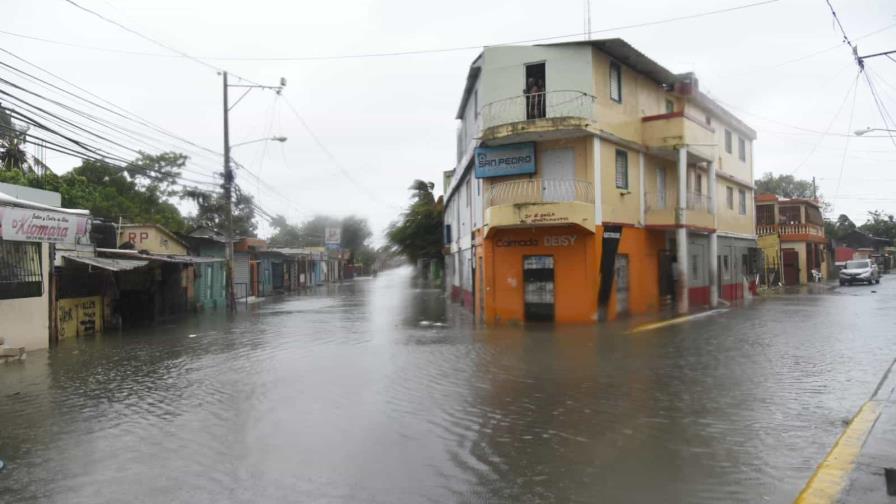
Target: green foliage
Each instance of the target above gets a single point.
(12, 140)
(212, 211)
(418, 234)
(839, 228)
(785, 186)
(880, 224)
(355, 234)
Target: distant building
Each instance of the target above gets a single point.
(590, 183)
(791, 235)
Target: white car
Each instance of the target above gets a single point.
(859, 270)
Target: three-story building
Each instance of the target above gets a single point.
(592, 182)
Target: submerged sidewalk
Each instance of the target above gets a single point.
(853, 471)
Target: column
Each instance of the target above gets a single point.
(681, 234)
(641, 188)
(713, 240)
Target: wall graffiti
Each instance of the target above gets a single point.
(79, 316)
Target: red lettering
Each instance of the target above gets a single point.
(144, 236)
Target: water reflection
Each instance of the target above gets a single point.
(374, 391)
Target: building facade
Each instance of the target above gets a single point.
(590, 183)
(791, 236)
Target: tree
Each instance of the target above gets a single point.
(418, 233)
(211, 211)
(12, 140)
(880, 224)
(287, 235)
(785, 186)
(838, 229)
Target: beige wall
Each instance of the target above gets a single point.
(619, 205)
(26, 321)
(152, 239)
(730, 220)
(641, 97)
(580, 146)
(728, 163)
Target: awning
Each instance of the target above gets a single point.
(108, 263)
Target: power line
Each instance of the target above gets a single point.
(852, 89)
(846, 145)
(204, 59)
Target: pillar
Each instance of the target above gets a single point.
(641, 194)
(713, 240)
(681, 235)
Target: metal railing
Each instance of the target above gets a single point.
(699, 201)
(789, 229)
(658, 201)
(539, 190)
(531, 106)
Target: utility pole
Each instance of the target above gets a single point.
(228, 205)
(229, 178)
(814, 193)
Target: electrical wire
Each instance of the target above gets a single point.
(204, 59)
(852, 90)
(846, 145)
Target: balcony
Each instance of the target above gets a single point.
(537, 115)
(663, 133)
(539, 202)
(793, 232)
(660, 210)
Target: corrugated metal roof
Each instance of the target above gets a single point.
(108, 263)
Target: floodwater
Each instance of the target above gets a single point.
(371, 391)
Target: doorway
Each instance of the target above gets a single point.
(790, 260)
(538, 288)
(558, 173)
(534, 91)
(620, 270)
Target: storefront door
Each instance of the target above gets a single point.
(538, 288)
(621, 281)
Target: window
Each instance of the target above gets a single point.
(447, 234)
(615, 82)
(741, 149)
(698, 183)
(535, 91)
(660, 188)
(21, 275)
(621, 169)
(729, 197)
(670, 106)
(765, 215)
(695, 266)
(725, 266)
(742, 199)
(476, 103)
(728, 141)
(469, 191)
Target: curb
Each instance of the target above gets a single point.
(829, 481)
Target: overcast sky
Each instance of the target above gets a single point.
(389, 120)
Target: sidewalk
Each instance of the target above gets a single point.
(853, 471)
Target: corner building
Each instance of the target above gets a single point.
(592, 183)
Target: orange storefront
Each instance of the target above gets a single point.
(553, 273)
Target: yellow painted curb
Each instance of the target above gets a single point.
(832, 474)
(676, 320)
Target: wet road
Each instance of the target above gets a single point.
(344, 396)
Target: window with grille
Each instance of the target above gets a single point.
(728, 141)
(621, 169)
(729, 197)
(615, 82)
(20, 270)
(741, 149)
(742, 197)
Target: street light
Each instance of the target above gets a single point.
(271, 139)
(867, 130)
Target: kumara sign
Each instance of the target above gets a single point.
(503, 160)
(26, 224)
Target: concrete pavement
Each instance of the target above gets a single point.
(853, 471)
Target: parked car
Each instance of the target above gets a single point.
(859, 270)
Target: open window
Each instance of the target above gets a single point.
(534, 91)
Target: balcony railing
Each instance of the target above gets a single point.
(658, 201)
(539, 191)
(699, 202)
(789, 229)
(531, 106)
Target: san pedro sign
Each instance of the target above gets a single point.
(503, 160)
(25, 224)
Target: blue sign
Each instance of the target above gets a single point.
(503, 160)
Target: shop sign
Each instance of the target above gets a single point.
(544, 218)
(503, 160)
(547, 241)
(25, 224)
(333, 236)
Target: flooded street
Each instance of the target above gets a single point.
(374, 392)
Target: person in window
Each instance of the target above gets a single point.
(540, 102)
(531, 89)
